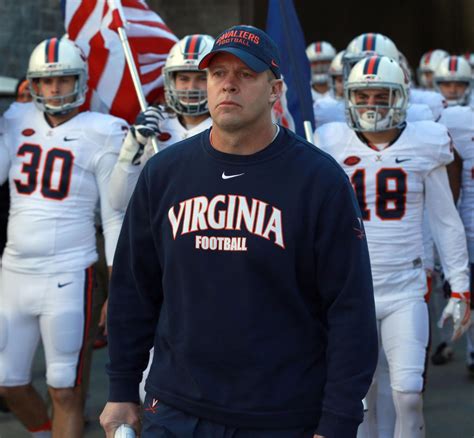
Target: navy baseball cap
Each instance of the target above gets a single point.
(251, 45)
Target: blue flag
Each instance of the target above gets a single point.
(284, 28)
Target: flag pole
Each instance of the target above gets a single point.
(132, 68)
(308, 131)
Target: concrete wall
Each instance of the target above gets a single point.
(415, 26)
(26, 22)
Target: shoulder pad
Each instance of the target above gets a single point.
(456, 116)
(17, 109)
(427, 131)
(330, 135)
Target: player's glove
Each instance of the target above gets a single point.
(145, 127)
(458, 309)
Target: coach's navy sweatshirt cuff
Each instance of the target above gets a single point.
(123, 390)
(335, 426)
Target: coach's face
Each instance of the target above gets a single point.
(238, 96)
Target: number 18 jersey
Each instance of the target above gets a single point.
(389, 185)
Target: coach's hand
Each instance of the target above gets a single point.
(115, 414)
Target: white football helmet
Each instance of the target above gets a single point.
(454, 69)
(428, 64)
(320, 54)
(368, 44)
(469, 57)
(335, 70)
(58, 57)
(186, 55)
(376, 72)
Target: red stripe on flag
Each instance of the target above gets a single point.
(151, 76)
(135, 4)
(151, 24)
(125, 103)
(97, 62)
(151, 45)
(116, 20)
(81, 15)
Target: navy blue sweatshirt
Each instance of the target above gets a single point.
(250, 275)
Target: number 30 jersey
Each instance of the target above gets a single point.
(56, 176)
(390, 186)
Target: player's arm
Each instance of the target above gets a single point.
(346, 293)
(111, 218)
(5, 161)
(450, 238)
(455, 175)
(132, 158)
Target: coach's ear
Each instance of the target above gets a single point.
(277, 88)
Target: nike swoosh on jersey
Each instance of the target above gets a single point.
(398, 160)
(224, 176)
(70, 139)
(64, 284)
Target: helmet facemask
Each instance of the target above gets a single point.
(191, 102)
(375, 117)
(63, 103)
(185, 57)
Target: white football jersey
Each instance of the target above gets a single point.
(431, 98)
(316, 95)
(56, 176)
(417, 112)
(460, 122)
(329, 110)
(390, 186)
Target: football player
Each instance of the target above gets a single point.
(426, 93)
(397, 169)
(367, 44)
(453, 79)
(58, 162)
(428, 64)
(320, 54)
(186, 115)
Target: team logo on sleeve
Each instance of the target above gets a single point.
(359, 229)
(230, 213)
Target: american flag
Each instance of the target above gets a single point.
(92, 24)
